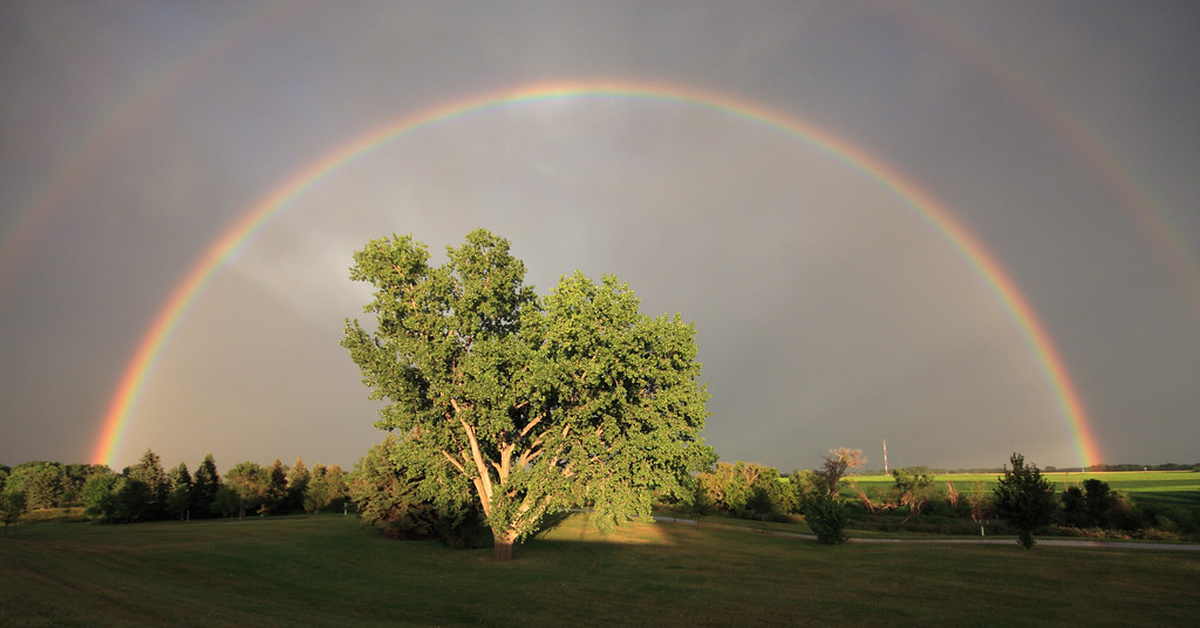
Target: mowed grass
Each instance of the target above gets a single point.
(331, 571)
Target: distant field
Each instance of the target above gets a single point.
(330, 571)
(1128, 481)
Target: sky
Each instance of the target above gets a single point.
(966, 228)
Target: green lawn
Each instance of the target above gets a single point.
(330, 571)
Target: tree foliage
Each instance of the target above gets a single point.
(297, 483)
(911, 485)
(837, 464)
(397, 489)
(179, 496)
(12, 504)
(149, 472)
(540, 404)
(826, 516)
(251, 483)
(42, 483)
(1025, 499)
(99, 496)
(205, 485)
(745, 489)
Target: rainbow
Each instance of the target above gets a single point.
(1149, 217)
(133, 380)
(113, 125)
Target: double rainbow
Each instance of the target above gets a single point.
(928, 208)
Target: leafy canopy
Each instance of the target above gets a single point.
(539, 404)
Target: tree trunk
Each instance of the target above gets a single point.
(502, 548)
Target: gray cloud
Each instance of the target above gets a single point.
(828, 311)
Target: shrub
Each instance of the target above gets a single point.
(826, 517)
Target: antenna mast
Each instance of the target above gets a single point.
(885, 467)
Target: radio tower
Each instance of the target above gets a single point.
(885, 469)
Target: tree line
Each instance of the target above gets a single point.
(1023, 502)
(145, 491)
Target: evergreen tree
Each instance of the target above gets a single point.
(179, 500)
(297, 484)
(335, 485)
(149, 471)
(316, 494)
(276, 491)
(42, 483)
(205, 486)
(1025, 499)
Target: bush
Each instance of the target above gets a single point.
(827, 517)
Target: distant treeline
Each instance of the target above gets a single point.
(384, 491)
(145, 491)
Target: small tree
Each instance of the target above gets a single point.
(393, 488)
(12, 504)
(826, 516)
(980, 503)
(823, 508)
(1025, 499)
(911, 486)
(838, 463)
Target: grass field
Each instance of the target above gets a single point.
(331, 571)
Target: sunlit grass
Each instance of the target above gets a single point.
(331, 571)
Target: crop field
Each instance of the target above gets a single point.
(1138, 484)
(332, 571)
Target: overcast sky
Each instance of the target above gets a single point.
(1063, 135)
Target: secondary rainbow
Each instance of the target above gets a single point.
(150, 347)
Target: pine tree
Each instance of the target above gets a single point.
(1025, 499)
(179, 500)
(297, 482)
(205, 487)
(276, 489)
(148, 471)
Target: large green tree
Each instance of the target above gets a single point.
(1025, 499)
(540, 404)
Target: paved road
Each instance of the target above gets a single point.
(1177, 547)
